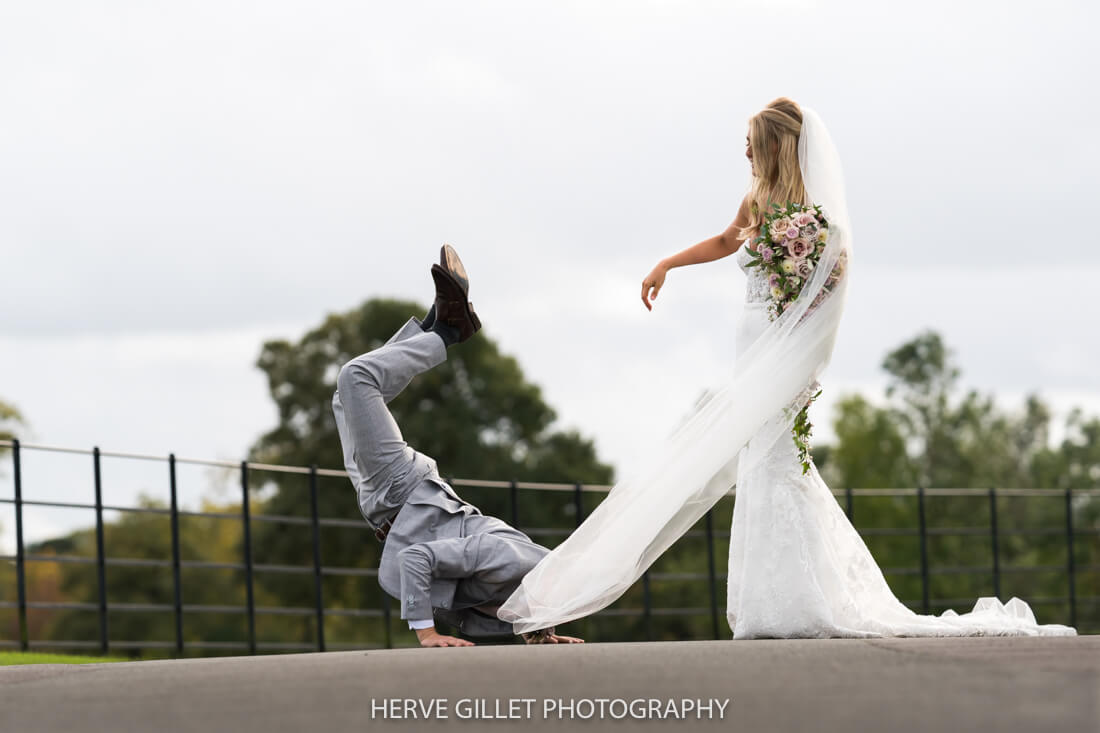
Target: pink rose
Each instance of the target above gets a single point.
(804, 219)
(773, 280)
(767, 254)
(792, 232)
(798, 248)
(805, 267)
(779, 227)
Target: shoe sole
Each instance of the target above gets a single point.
(450, 261)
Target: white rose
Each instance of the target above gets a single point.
(777, 293)
(787, 265)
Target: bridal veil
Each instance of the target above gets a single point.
(686, 473)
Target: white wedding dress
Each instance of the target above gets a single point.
(797, 566)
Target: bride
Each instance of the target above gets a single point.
(797, 567)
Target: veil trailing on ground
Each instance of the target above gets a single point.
(686, 473)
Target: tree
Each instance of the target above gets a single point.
(140, 536)
(10, 419)
(475, 414)
(506, 431)
(1075, 463)
(870, 450)
(926, 435)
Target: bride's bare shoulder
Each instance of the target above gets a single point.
(732, 235)
(745, 211)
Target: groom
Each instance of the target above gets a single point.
(441, 557)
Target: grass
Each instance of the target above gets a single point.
(10, 658)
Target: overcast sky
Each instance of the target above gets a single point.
(181, 181)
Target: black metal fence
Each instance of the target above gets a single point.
(319, 570)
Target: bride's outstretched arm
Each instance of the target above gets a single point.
(714, 248)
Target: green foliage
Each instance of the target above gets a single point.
(144, 537)
(1075, 463)
(10, 419)
(475, 414)
(870, 449)
(480, 418)
(926, 435)
(800, 433)
(18, 658)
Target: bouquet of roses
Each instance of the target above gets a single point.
(788, 249)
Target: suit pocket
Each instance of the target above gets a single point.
(431, 493)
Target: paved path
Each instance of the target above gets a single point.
(898, 685)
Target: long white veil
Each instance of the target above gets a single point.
(689, 471)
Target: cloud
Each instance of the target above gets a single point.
(178, 183)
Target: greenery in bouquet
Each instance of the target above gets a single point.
(788, 250)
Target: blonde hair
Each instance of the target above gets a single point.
(773, 139)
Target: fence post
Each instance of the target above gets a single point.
(712, 572)
(177, 593)
(317, 589)
(849, 508)
(578, 504)
(648, 607)
(923, 550)
(101, 564)
(246, 523)
(1071, 569)
(993, 538)
(513, 490)
(20, 560)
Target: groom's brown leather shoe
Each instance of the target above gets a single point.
(452, 285)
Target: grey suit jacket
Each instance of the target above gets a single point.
(442, 557)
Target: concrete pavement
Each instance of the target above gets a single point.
(898, 685)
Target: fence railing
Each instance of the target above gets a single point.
(319, 570)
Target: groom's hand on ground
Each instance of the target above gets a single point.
(431, 637)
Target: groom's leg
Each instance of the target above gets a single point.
(393, 365)
(414, 326)
(366, 384)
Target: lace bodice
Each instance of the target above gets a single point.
(756, 283)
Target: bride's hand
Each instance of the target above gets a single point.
(652, 284)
